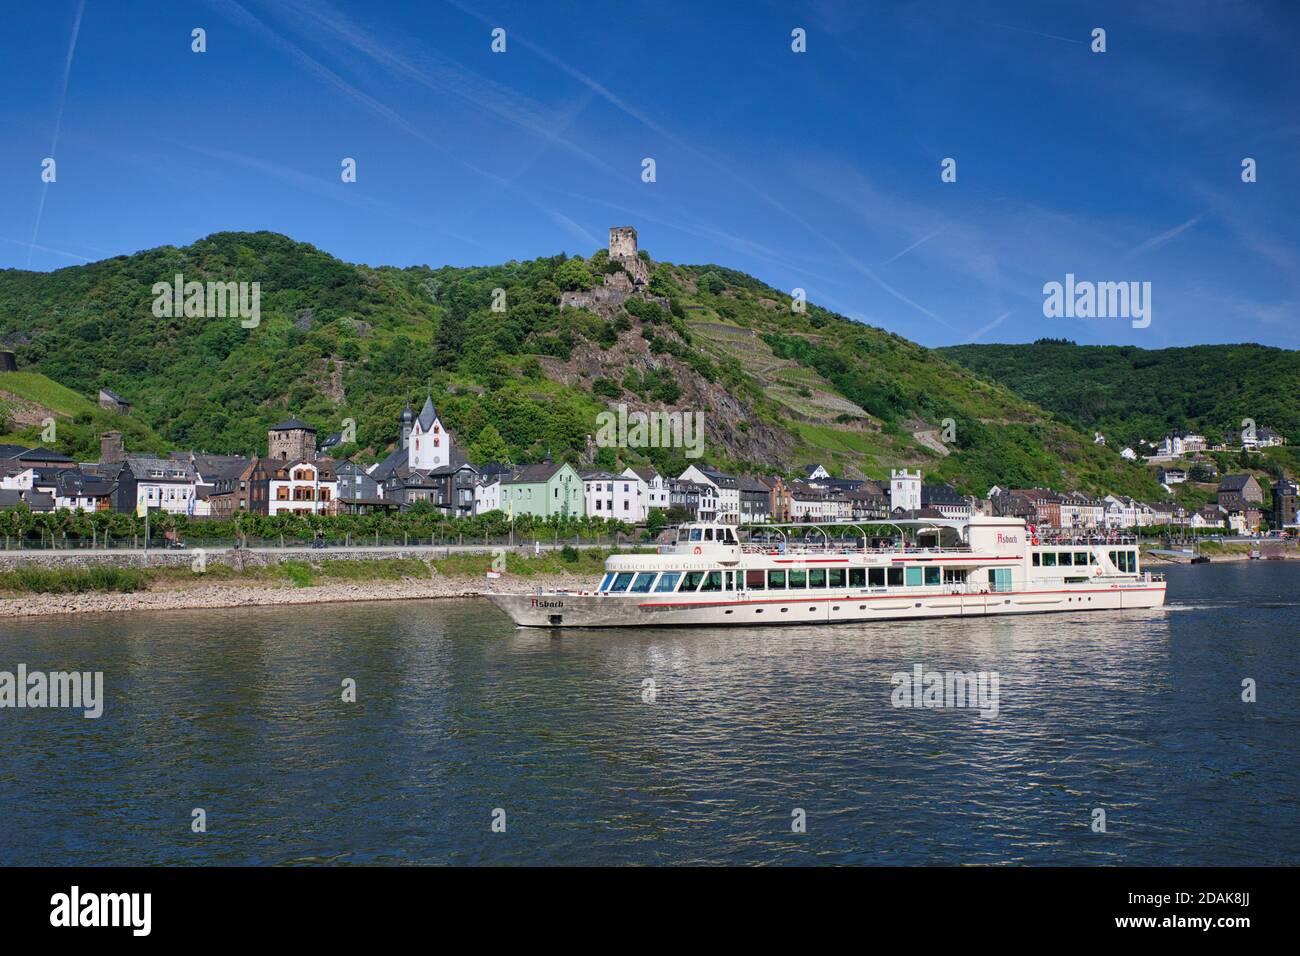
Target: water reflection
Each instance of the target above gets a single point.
(458, 712)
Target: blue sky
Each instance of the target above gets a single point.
(817, 170)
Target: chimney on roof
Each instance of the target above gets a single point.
(111, 448)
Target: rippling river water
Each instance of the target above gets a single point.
(459, 714)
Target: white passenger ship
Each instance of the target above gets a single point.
(975, 568)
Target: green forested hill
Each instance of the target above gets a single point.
(1129, 393)
(777, 389)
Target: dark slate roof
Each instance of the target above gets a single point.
(719, 478)
(43, 454)
(172, 470)
(457, 463)
(332, 440)
(806, 492)
(71, 483)
(292, 423)
(865, 493)
(940, 494)
(11, 451)
(427, 414)
(1234, 482)
(388, 467)
(35, 500)
(215, 467)
(114, 396)
(599, 475)
(843, 484)
(415, 479)
(646, 474)
(750, 483)
(529, 474)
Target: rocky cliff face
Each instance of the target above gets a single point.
(732, 426)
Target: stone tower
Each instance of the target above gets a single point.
(622, 242)
(291, 440)
(622, 249)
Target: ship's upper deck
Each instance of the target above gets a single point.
(912, 536)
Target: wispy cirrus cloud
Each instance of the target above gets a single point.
(1161, 238)
(58, 123)
(449, 79)
(235, 12)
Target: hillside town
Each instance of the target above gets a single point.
(428, 469)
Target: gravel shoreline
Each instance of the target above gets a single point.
(242, 595)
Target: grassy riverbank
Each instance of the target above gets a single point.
(463, 568)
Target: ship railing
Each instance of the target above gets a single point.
(1053, 538)
(777, 548)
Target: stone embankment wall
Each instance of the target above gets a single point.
(237, 559)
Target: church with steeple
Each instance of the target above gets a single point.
(426, 466)
(428, 445)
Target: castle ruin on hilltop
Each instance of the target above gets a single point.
(619, 286)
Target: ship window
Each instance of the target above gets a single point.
(955, 575)
(776, 580)
(1037, 559)
(643, 581)
(798, 579)
(621, 582)
(1049, 559)
(895, 577)
(708, 534)
(876, 576)
(713, 582)
(667, 581)
(817, 578)
(858, 577)
(1092, 557)
(731, 580)
(1066, 559)
(755, 580)
(604, 585)
(1080, 558)
(692, 580)
(835, 577)
(695, 534)
(1114, 557)
(914, 577)
(933, 575)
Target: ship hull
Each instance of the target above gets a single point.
(562, 609)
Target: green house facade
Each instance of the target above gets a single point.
(543, 490)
